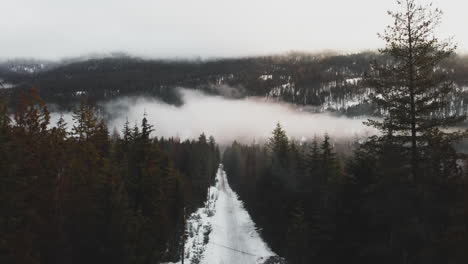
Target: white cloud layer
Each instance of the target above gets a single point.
(206, 28)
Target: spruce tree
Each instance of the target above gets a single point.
(313, 178)
(279, 143)
(313, 155)
(412, 89)
(126, 132)
(146, 128)
(329, 160)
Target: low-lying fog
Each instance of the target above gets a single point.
(227, 120)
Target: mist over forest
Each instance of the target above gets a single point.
(266, 157)
(244, 120)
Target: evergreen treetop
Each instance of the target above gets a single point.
(279, 143)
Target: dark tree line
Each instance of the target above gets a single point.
(315, 205)
(290, 190)
(73, 193)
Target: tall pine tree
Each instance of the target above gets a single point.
(412, 89)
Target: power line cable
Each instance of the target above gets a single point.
(233, 249)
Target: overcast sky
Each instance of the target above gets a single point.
(53, 29)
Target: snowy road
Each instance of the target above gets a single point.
(234, 238)
(222, 232)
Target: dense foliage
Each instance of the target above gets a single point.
(315, 205)
(87, 197)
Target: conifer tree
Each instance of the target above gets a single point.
(328, 159)
(279, 143)
(61, 127)
(136, 132)
(314, 154)
(202, 139)
(85, 120)
(146, 128)
(313, 166)
(413, 90)
(296, 164)
(126, 132)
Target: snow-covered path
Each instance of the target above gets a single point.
(222, 231)
(234, 238)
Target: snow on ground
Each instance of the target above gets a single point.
(5, 85)
(223, 232)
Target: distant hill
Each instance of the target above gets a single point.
(323, 82)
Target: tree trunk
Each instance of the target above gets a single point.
(414, 153)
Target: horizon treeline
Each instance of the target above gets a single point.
(88, 196)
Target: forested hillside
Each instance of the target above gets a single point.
(322, 81)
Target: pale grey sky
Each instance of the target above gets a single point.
(53, 29)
